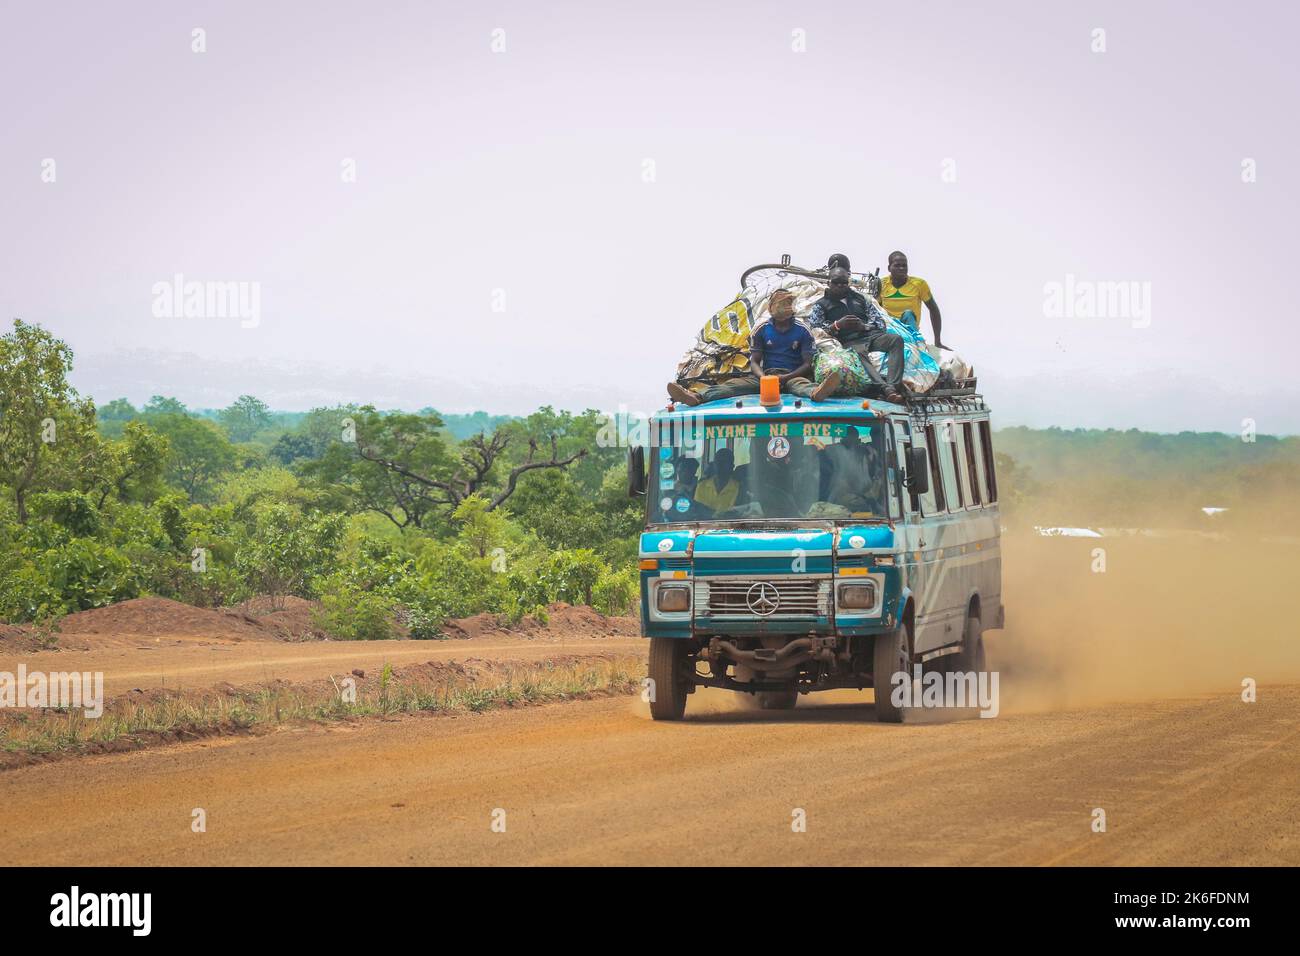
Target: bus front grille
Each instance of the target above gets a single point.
(794, 597)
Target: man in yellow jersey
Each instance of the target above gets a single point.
(719, 491)
(902, 294)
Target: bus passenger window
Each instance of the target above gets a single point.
(934, 501)
(969, 444)
(950, 434)
(990, 473)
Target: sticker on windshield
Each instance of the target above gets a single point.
(666, 504)
(666, 470)
(683, 505)
(778, 447)
(665, 452)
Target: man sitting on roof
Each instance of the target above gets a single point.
(846, 314)
(780, 347)
(901, 296)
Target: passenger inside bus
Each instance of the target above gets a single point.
(687, 476)
(719, 491)
(850, 462)
(772, 476)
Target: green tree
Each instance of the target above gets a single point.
(568, 434)
(200, 453)
(387, 477)
(401, 467)
(112, 418)
(291, 447)
(135, 465)
(118, 410)
(245, 418)
(288, 550)
(161, 405)
(481, 529)
(47, 436)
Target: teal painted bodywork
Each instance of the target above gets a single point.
(820, 549)
(690, 556)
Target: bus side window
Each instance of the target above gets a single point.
(968, 442)
(911, 502)
(933, 501)
(951, 467)
(990, 473)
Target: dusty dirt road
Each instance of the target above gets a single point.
(191, 665)
(1206, 780)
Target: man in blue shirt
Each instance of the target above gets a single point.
(780, 347)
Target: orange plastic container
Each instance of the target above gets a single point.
(769, 390)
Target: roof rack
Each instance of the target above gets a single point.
(965, 388)
(945, 401)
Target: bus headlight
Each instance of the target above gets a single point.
(858, 597)
(674, 599)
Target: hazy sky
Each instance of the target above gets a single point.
(989, 141)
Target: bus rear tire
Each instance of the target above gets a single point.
(667, 678)
(890, 656)
(971, 657)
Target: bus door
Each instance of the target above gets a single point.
(910, 531)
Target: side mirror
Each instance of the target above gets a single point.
(636, 471)
(918, 471)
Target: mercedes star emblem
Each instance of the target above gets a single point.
(763, 598)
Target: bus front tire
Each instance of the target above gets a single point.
(890, 657)
(668, 678)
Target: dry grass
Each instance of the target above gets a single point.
(129, 722)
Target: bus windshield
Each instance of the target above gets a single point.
(757, 470)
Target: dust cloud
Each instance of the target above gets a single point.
(1173, 615)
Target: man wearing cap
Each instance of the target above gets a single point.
(781, 346)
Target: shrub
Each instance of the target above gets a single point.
(571, 576)
(26, 594)
(89, 574)
(289, 550)
(616, 592)
(71, 510)
(352, 615)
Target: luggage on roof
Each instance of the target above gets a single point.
(721, 349)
